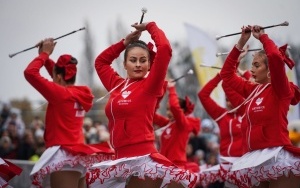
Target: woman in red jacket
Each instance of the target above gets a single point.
(66, 158)
(230, 130)
(271, 160)
(177, 129)
(130, 110)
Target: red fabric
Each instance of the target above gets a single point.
(66, 108)
(160, 120)
(9, 170)
(193, 167)
(289, 62)
(178, 132)
(231, 142)
(247, 75)
(93, 148)
(296, 90)
(131, 115)
(266, 122)
(70, 68)
(152, 53)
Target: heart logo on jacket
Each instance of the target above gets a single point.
(258, 101)
(125, 94)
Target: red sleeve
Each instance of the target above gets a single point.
(211, 107)
(106, 73)
(177, 111)
(50, 90)
(279, 79)
(229, 76)
(234, 98)
(160, 120)
(247, 75)
(156, 77)
(49, 65)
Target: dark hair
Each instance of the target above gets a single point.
(182, 103)
(138, 43)
(62, 71)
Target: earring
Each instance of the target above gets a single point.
(268, 75)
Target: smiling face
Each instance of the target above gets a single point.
(259, 69)
(137, 62)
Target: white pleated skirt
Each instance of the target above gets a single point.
(116, 173)
(263, 165)
(216, 172)
(57, 159)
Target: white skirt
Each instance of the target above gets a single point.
(57, 159)
(263, 165)
(116, 173)
(216, 172)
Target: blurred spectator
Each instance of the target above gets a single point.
(102, 131)
(6, 148)
(15, 139)
(5, 111)
(294, 132)
(207, 131)
(90, 131)
(27, 146)
(200, 157)
(294, 136)
(15, 118)
(37, 126)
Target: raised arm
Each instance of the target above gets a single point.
(279, 79)
(228, 71)
(211, 107)
(159, 67)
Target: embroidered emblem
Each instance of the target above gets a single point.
(79, 110)
(167, 134)
(240, 118)
(125, 94)
(168, 130)
(258, 101)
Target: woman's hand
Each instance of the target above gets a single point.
(47, 45)
(246, 34)
(171, 83)
(131, 37)
(257, 31)
(140, 27)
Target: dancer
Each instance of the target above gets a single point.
(65, 161)
(271, 159)
(177, 128)
(130, 111)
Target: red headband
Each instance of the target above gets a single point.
(64, 61)
(151, 52)
(289, 62)
(189, 106)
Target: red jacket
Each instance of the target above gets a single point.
(130, 111)
(266, 113)
(231, 140)
(174, 138)
(66, 108)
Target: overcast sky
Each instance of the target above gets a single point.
(24, 23)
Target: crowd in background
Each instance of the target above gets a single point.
(25, 141)
(22, 141)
